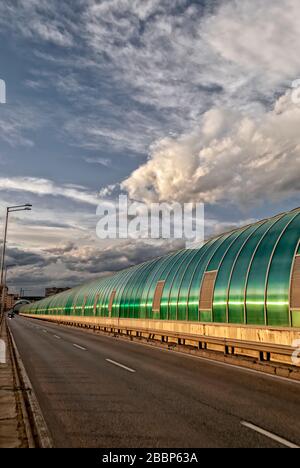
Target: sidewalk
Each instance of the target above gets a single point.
(12, 433)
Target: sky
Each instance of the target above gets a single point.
(162, 100)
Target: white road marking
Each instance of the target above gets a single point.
(214, 361)
(79, 347)
(56, 336)
(268, 434)
(45, 331)
(120, 365)
(211, 361)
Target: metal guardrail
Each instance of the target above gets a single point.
(230, 346)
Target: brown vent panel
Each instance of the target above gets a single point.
(111, 301)
(96, 302)
(207, 290)
(295, 284)
(157, 296)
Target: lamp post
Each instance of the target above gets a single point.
(9, 209)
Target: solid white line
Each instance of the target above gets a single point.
(56, 336)
(79, 347)
(120, 365)
(282, 441)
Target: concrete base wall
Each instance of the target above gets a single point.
(278, 336)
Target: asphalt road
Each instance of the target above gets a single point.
(101, 391)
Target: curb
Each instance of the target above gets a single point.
(37, 431)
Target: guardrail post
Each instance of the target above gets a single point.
(264, 356)
(202, 345)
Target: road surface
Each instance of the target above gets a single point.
(101, 391)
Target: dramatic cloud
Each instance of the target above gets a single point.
(114, 257)
(68, 264)
(230, 157)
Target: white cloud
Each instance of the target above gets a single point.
(44, 187)
(176, 61)
(38, 20)
(99, 160)
(15, 125)
(229, 157)
(259, 36)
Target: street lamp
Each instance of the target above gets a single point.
(9, 209)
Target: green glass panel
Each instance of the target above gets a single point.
(139, 286)
(144, 294)
(91, 293)
(173, 296)
(103, 303)
(197, 262)
(214, 257)
(236, 301)
(205, 315)
(279, 275)
(123, 291)
(183, 292)
(224, 273)
(188, 286)
(255, 292)
(99, 291)
(217, 258)
(161, 275)
(120, 288)
(132, 289)
(124, 307)
(169, 278)
(296, 318)
(69, 304)
(121, 279)
(103, 300)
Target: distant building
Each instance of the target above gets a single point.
(1, 288)
(10, 300)
(53, 291)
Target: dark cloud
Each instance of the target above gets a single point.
(115, 257)
(20, 258)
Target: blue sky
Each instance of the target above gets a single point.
(164, 100)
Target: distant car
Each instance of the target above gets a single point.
(11, 315)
